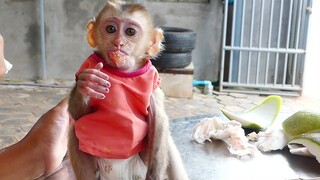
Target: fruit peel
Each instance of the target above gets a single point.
(259, 117)
(302, 122)
(310, 141)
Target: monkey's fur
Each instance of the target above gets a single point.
(161, 155)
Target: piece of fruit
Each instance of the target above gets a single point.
(301, 122)
(261, 116)
(117, 58)
(310, 141)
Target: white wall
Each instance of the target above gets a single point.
(311, 80)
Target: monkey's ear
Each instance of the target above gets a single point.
(90, 33)
(156, 43)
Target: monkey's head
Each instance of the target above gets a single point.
(124, 35)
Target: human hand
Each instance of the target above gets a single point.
(1, 39)
(2, 64)
(50, 135)
(93, 83)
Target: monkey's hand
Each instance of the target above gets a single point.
(93, 83)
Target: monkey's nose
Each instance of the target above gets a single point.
(118, 42)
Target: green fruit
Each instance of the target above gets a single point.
(311, 141)
(301, 122)
(261, 116)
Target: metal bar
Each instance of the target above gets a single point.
(230, 66)
(250, 40)
(274, 47)
(237, 39)
(270, 86)
(272, 50)
(239, 68)
(269, 41)
(304, 34)
(241, 39)
(232, 39)
(223, 44)
(253, 91)
(42, 42)
(292, 36)
(297, 37)
(260, 39)
(278, 44)
(306, 22)
(287, 44)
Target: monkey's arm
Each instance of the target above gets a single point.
(83, 164)
(176, 169)
(91, 83)
(164, 157)
(78, 104)
(157, 149)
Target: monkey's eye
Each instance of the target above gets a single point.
(111, 29)
(131, 31)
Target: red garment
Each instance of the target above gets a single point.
(117, 127)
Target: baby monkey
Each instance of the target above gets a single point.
(121, 130)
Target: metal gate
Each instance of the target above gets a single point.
(263, 48)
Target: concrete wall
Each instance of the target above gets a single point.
(66, 45)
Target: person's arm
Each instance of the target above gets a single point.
(41, 151)
(21, 161)
(2, 64)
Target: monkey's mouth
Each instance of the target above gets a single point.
(117, 58)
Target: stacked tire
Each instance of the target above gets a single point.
(179, 43)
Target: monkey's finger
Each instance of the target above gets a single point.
(91, 72)
(98, 77)
(99, 66)
(91, 89)
(94, 94)
(88, 91)
(98, 88)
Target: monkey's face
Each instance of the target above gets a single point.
(123, 40)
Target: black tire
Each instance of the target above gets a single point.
(178, 40)
(172, 60)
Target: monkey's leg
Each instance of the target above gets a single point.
(83, 164)
(176, 169)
